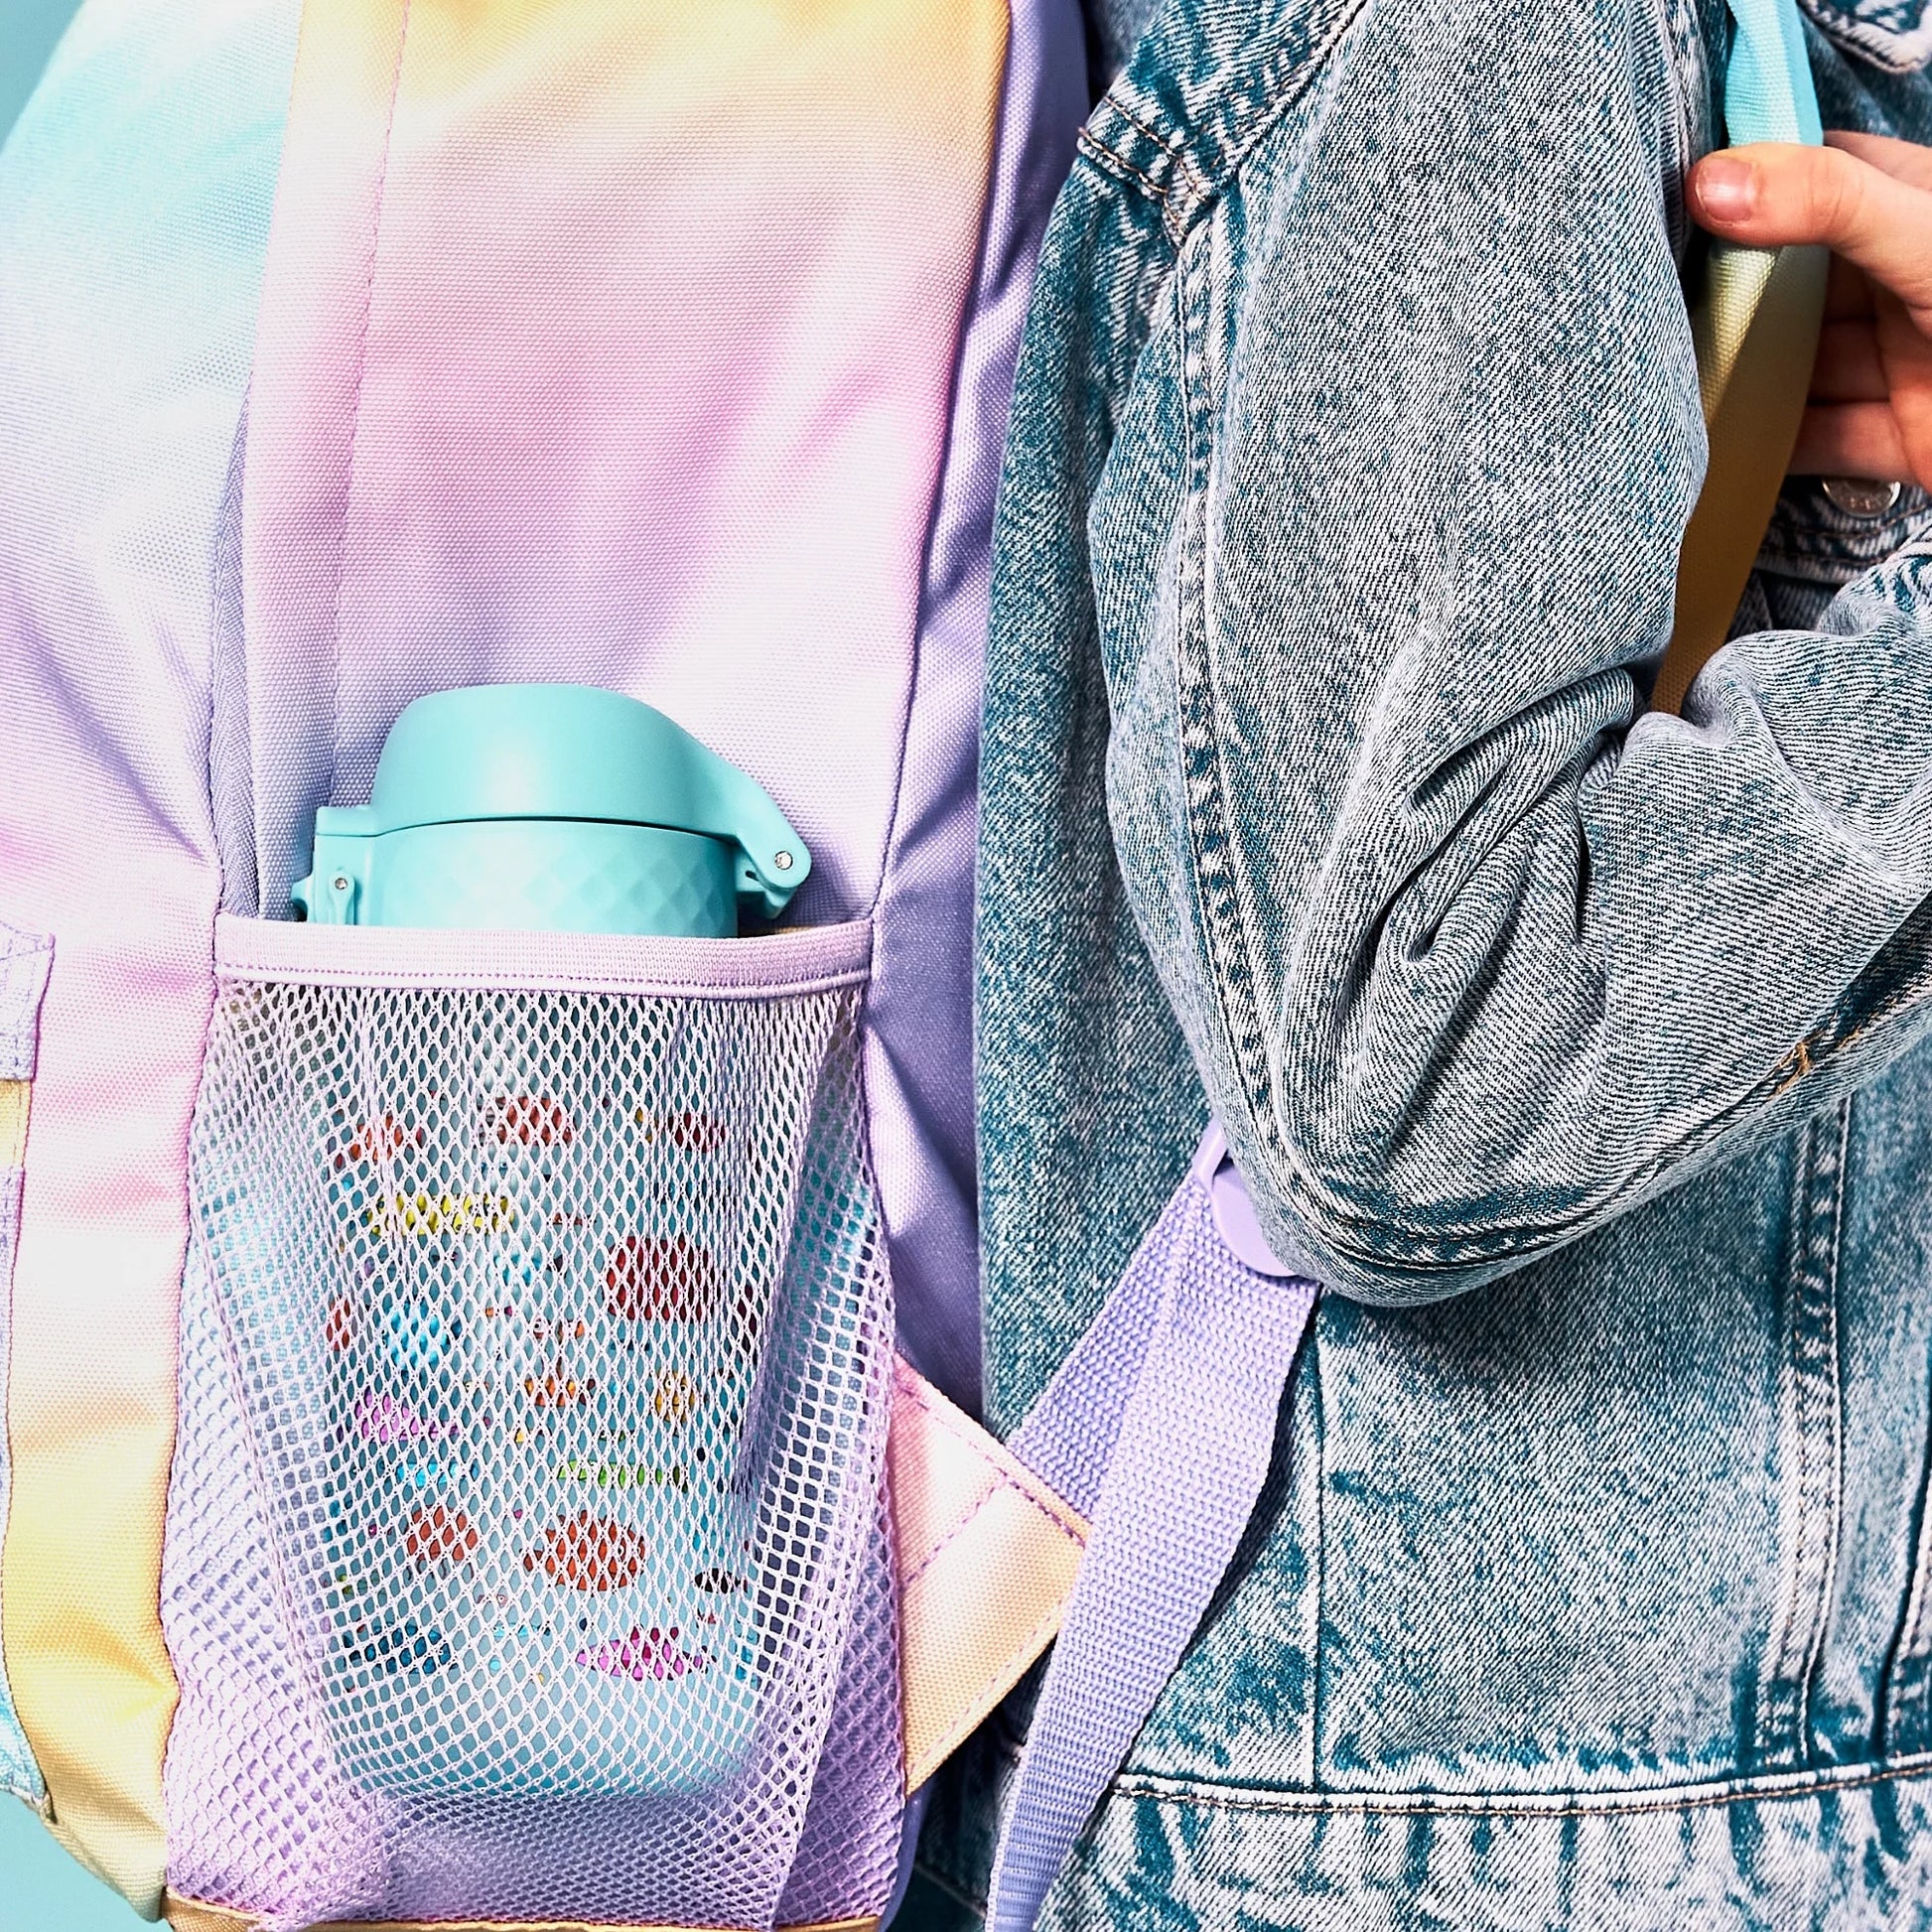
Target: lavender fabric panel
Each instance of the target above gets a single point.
(292, 1827)
(24, 961)
(849, 1854)
(918, 1065)
(1216, 1343)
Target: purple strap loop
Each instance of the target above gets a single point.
(1158, 1427)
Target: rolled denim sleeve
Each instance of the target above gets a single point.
(1472, 954)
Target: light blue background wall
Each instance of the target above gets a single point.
(41, 1890)
(28, 30)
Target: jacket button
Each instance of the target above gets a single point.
(1857, 498)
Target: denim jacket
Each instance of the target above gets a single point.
(1578, 1050)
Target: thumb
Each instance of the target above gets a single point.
(1770, 193)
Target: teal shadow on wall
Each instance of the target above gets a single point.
(41, 1890)
(28, 32)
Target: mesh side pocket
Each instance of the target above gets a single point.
(560, 1328)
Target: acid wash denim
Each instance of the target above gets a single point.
(1578, 1050)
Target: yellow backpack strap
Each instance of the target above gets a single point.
(1755, 328)
(1756, 334)
(986, 1555)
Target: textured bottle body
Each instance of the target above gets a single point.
(529, 875)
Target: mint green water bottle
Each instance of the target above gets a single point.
(539, 1576)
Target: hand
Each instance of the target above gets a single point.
(1870, 200)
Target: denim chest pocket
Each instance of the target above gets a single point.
(25, 959)
(1895, 35)
(1823, 533)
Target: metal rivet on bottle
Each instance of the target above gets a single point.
(1860, 497)
(341, 882)
(783, 861)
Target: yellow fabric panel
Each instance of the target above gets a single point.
(986, 1557)
(14, 1098)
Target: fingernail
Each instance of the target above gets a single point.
(1726, 190)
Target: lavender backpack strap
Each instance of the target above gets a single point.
(1160, 1428)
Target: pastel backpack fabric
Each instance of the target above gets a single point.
(436, 1494)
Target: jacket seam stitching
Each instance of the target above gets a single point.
(1223, 928)
(1683, 120)
(1907, 1662)
(1284, 79)
(1097, 151)
(1816, 1049)
(1426, 1804)
(1312, 65)
(1810, 1375)
(1319, 1556)
(1828, 1387)
(1904, 1672)
(1794, 1446)
(1185, 163)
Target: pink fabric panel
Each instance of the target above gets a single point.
(614, 346)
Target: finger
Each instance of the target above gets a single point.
(1771, 193)
(1905, 355)
(1847, 368)
(1852, 439)
(1847, 292)
(1907, 161)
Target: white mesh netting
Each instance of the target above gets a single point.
(561, 1327)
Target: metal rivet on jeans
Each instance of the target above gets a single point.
(1856, 496)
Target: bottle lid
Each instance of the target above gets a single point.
(571, 752)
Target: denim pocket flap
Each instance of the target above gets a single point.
(1814, 540)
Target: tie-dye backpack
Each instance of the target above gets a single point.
(429, 1501)
(664, 349)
